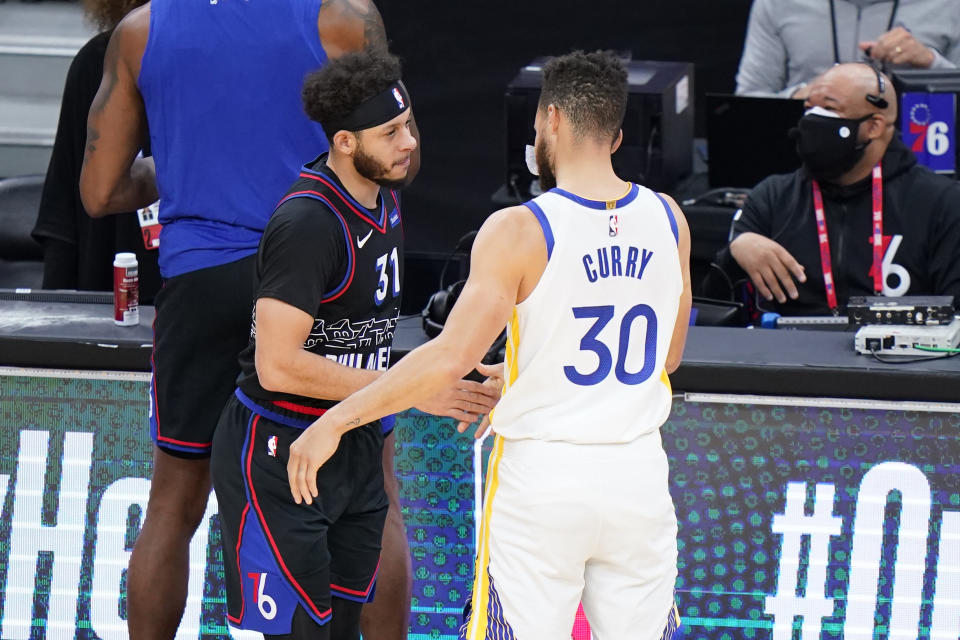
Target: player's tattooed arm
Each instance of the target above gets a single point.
(113, 179)
(374, 33)
(351, 25)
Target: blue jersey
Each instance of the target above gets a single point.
(221, 83)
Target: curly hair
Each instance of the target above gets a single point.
(590, 89)
(106, 14)
(342, 84)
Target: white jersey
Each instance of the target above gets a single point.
(586, 350)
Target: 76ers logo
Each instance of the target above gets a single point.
(266, 604)
(929, 123)
(272, 446)
(399, 98)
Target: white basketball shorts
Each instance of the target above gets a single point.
(569, 522)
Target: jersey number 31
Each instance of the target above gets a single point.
(589, 342)
(381, 293)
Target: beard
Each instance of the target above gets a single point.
(547, 176)
(374, 170)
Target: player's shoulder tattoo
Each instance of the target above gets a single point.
(365, 11)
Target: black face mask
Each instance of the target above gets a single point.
(828, 146)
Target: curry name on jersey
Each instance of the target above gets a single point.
(586, 350)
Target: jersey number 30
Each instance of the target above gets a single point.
(589, 342)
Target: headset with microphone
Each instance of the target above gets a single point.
(878, 100)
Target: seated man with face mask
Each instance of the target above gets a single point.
(861, 217)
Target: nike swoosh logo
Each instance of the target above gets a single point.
(360, 242)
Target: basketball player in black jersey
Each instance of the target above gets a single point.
(328, 300)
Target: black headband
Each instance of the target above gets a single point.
(383, 107)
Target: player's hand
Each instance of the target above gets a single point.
(307, 454)
(770, 266)
(465, 401)
(802, 92)
(494, 373)
(898, 46)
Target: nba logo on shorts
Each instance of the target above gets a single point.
(614, 225)
(398, 97)
(272, 446)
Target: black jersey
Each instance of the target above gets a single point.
(326, 254)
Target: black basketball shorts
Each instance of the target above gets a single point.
(278, 554)
(202, 323)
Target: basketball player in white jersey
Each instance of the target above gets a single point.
(592, 282)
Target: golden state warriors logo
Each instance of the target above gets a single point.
(399, 98)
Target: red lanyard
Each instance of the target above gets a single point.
(825, 262)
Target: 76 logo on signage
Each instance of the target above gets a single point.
(929, 129)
